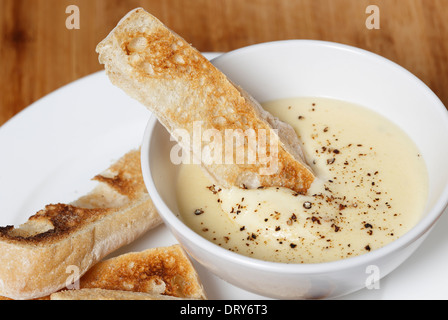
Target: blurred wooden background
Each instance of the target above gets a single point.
(38, 54)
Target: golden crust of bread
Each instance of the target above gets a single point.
(62, 220)
(126, 177)
(35, 256)
(180, 86)
(164, 270)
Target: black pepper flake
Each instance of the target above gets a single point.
(213, 189)
(367, 247)
(307, 205)
(315, 219)
(293, 245)
(336, 228)
(198, 212)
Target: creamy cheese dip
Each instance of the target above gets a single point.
(371, 188)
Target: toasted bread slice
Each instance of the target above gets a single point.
(35, 256)
(104, 294)
(158, 271)
(183, 89)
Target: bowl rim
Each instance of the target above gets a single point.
(419, 230)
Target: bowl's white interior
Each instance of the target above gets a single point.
(313, 68)
(164, 172)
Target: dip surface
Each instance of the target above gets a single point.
(371, 188)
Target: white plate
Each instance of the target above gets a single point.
(51, 150)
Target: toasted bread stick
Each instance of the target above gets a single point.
(182, 88)
(34, 257)
(105, 294)
(158, 271)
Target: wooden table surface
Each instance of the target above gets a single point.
(38, 54)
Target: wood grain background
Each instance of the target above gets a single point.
(38, 54)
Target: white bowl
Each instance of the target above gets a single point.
(296, 68)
